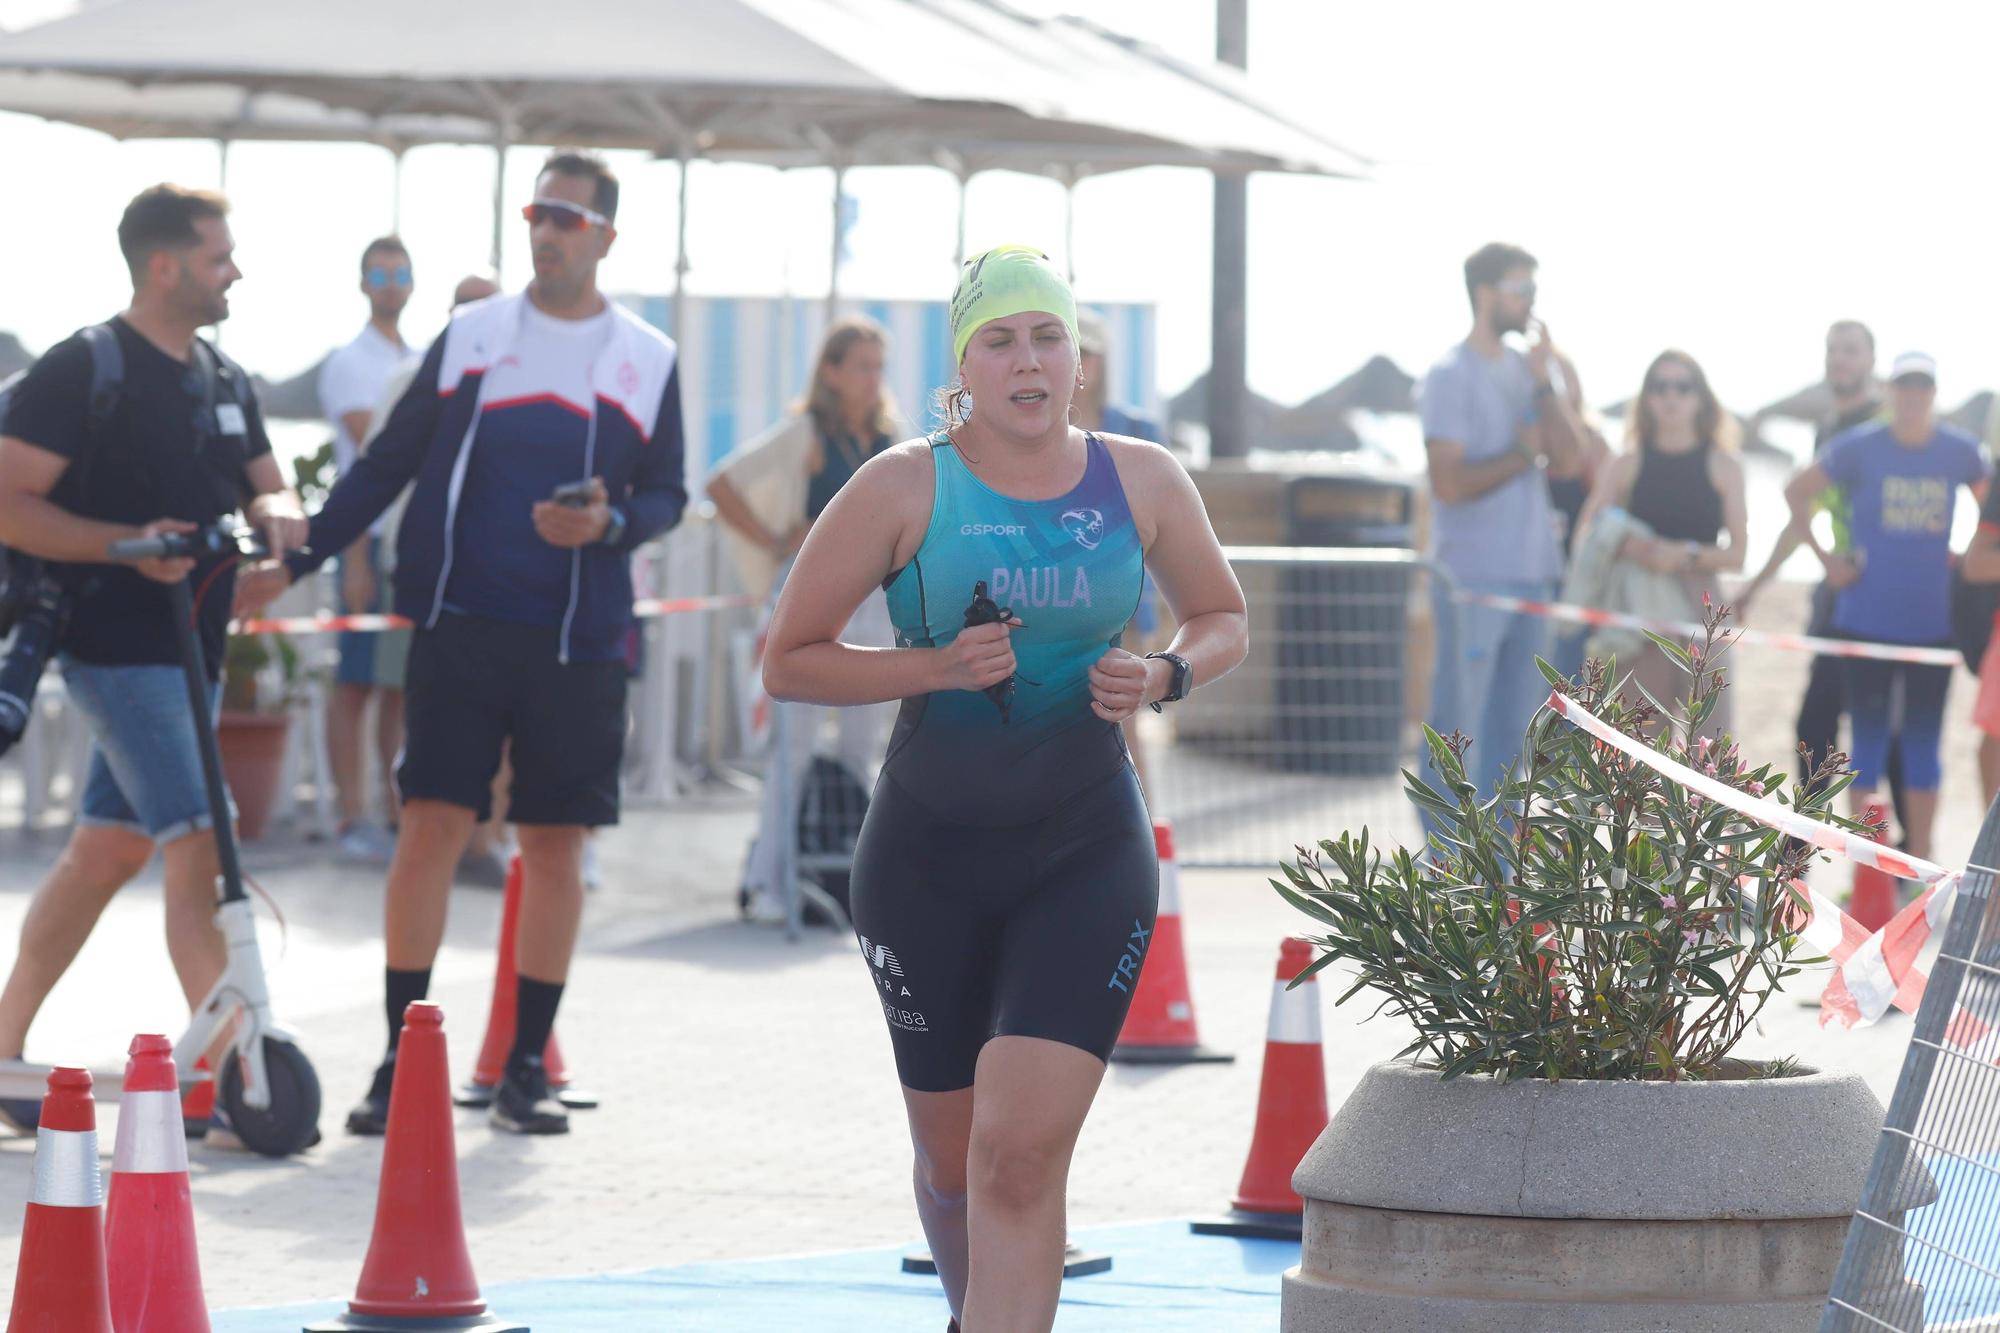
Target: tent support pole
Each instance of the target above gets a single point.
(681, 248)
(396, 190)
(839, 237)
(499, 202)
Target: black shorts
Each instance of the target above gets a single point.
(1037, 930)
(477, 685)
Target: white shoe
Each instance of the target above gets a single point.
(364, 843)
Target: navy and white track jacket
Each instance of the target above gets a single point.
(633, 440)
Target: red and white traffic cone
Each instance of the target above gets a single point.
(149, 1221)
(1874, 899)
(477, 1092)
(59, 1286)
(1291, 1110)
(1159, 1027)
(418, 1273)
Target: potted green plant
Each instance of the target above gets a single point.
(260, 680)
(1569, 1141)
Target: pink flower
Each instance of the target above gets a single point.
(1691, 936)
(1756, 788)
(1706, 605)
(1670, 903)
(1702, 746)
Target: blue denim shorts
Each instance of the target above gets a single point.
(145, 767)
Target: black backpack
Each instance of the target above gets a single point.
(831, 807)
(20, 572)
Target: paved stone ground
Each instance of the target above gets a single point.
(750, 1103)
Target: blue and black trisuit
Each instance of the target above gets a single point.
(1005, 880)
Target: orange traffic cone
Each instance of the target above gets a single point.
(1874, 899)
(149, 1221)
(418, 1273)
(1159, 1027)
(1291, 1110)
(477, 1092)
(59, 1286)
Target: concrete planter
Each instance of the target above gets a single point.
(1580, 1207)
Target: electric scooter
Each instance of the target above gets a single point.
(267, 1087)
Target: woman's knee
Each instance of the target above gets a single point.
(1017, 1171)
(940, 1178)
(105, 855)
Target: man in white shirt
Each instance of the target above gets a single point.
(371, 664)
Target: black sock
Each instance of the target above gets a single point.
(400, 989)
(534, 1015)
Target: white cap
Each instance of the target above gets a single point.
(1913, 363)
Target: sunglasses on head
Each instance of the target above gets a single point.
(377, 276)
(564, 215)
(1675, 388)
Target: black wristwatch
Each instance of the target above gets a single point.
(1183, 679)
(614, 528)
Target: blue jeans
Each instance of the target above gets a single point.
(145, 767)
(1485, 683)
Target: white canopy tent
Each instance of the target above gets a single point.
(965, 85)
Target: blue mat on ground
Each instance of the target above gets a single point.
(1163, 1279)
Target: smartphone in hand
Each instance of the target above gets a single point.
(574, 494)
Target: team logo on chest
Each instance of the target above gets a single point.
(1086, 525)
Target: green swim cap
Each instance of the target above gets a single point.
(1007, 280)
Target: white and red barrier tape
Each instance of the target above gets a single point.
(1801, 643)
(1872, 970)
(327, 623)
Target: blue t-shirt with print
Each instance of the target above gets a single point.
(1901, 499)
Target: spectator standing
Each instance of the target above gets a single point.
(1493, 422)
(371, 665)
(1900, 480)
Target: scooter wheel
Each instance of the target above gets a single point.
(290, 1123)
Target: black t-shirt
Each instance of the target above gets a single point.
(149, 461)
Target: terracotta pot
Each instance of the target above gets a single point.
(253, 762)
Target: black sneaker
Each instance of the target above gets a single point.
(523, 1104)
(370, 1115)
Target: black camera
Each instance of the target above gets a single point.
(34, 608)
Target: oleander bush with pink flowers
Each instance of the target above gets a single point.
(1593, 919)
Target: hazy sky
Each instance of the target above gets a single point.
(1721, 177)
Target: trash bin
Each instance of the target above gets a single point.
(1342, 659)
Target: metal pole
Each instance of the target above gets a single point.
(222, 165)
(958, 255)
(499, 202)
(681, 250)
(1228, 400)
(1069, 225)
(839, 237)
(396, 191)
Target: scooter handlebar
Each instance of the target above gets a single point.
(217, 539)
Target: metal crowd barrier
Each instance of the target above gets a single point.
(1309, 735)
(1923, 1252)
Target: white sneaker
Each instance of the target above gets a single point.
(364, 843)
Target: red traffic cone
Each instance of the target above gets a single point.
(477, 1092)
(1159, 1027)
(1291, 1110)
(59, 1286)
(418, 1273)
(1874, 899)
(149, 1221)
(198, 1105)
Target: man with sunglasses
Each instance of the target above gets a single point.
(543, 438)
(181, 444)
(371, 666)
(1495, 419)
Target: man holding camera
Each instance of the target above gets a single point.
(543, 434)
(136, 427)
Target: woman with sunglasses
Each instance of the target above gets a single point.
(1005, 881)
(1670, 506)
(768, 496)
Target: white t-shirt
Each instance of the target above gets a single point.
(550, 358)
(352, 381)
